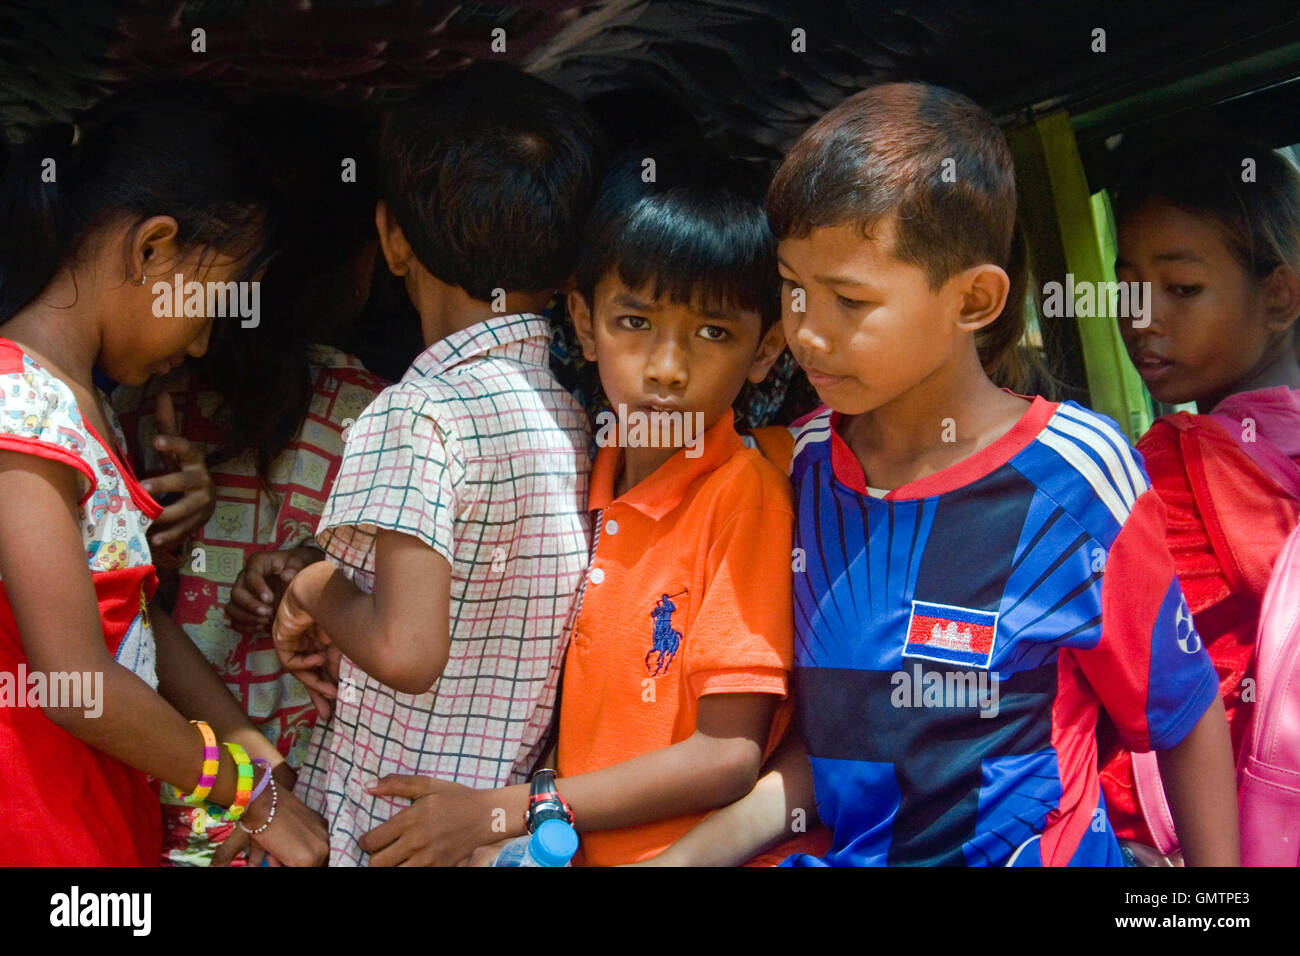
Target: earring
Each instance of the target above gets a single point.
(142, 278)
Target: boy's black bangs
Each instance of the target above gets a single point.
(707, 254)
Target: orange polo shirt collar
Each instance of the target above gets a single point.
(664, 489)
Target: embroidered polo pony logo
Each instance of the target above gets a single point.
(664, 638)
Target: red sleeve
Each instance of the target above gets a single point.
(1202, 577)
(1150, 669)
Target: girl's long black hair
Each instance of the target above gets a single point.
(159, 146)
(311, 292)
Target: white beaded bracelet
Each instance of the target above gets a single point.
(275, 798)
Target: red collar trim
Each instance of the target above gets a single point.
(848, 470)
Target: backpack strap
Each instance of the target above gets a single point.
(1272, 460)
(1151, 798)
(1247, 514)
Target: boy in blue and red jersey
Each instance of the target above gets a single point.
(982, 572)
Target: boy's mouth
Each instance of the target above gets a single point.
(820, 379)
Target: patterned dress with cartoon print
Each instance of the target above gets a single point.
(63, 802)
(275, 513)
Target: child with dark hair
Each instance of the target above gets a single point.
(269, 406)
(981, 571)
(679, 650)
(641, 119)
(1218, 238)
(157, 182)
(455, 529)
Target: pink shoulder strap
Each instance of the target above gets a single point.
(1271, 459)
(1151, 798)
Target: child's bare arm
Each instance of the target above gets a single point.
(400, 634)
(40, 548)
(189, 684)
(714, 766)
(1200, 785)
(756, 822)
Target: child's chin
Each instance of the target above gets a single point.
(129, 376)
(1170, 394)
(847, 405)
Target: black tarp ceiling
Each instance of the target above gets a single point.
(730, 62)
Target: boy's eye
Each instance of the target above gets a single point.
(713, 333)
(634, 322)
(850, 303)
(1184, 291)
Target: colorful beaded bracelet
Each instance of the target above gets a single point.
(243, 783)
(208, 772)
(275, 798)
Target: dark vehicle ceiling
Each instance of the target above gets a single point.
(730, 62)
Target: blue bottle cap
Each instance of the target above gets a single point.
(553, 843)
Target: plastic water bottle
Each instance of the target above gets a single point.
(552, 844)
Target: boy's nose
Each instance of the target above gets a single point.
(801, 333)
(667, 365)
(809, 338)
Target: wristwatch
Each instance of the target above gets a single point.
(545, 802)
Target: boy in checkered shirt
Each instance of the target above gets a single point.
(457, 530)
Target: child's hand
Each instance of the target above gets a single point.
(261, 583)
(297, 836)
(236, 843)
(445, 823)
(239, 842)
(486, 855)
(189, 478)
(302, 645)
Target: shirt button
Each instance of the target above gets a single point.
(611, 526)
(597, 575)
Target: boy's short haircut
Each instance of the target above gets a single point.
(690, 228)
(932, 158)
(490, 173)
(936, 162)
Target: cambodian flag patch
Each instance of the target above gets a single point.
(954, 635)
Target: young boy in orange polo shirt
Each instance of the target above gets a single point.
(681, 645)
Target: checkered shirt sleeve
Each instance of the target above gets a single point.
(399, 473)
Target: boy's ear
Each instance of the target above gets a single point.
(769, 350)
(1282, 298)
(982, 293)
(397, 251)
(583, 323)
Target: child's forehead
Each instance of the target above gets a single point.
(613, 293)
(829, 250)
(1167, 232)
